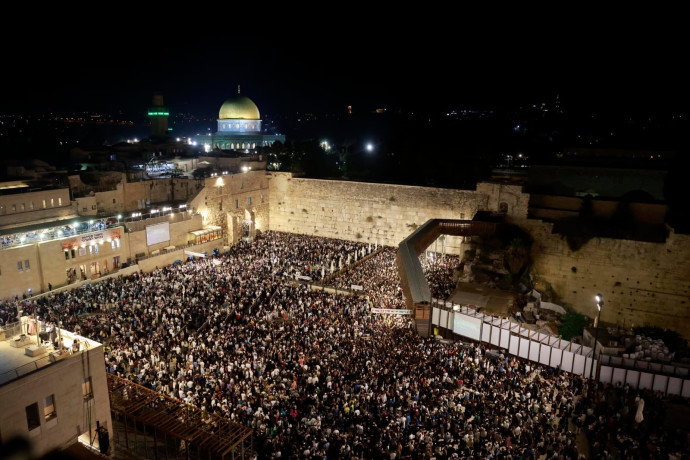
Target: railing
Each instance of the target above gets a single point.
(177, 248)
(14, 374)
(41, 362)
(60, 231)
(11, 329)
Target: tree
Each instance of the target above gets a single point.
(572, 325)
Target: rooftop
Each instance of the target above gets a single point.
(15, 362)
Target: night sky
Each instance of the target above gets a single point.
(91, 68)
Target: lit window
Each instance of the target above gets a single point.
(113, 200)
(59, 201)
(82, 251)
(49, 408)
(52, 202)
(31, 205)
(32, 418)
(44, 204)
(23, 206)
(112, 244)
(95, 248)
(93, 206)
(74, 253)
(66, 254)
(90, 249)
(117, 242)
(262, 197)
(86, 388)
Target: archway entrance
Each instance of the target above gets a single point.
(248, 227)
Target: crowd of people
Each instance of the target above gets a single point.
(317, 375)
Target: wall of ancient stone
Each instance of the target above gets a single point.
(642, 283)
(375, 213)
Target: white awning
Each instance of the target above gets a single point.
(204, 231)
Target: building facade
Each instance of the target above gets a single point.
(52, 398)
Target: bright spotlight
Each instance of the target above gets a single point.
(370, 147)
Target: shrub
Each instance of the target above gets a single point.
(572, 325)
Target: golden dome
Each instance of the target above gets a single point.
(239, 107)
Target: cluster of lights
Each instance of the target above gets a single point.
(136, 214)
(246, 168)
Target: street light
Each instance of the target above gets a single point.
(600, 303)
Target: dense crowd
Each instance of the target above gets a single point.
(378, 277)
(316, 375)
(440, 270)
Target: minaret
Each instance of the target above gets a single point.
(158, 114)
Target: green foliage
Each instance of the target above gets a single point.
(572, 325)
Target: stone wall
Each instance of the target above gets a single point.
(642, 283)
(358, 211)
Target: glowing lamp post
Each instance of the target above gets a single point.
(600, 303)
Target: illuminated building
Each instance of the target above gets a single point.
(53, 398)
(239, 126)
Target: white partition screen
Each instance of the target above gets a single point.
(514, 345)
(605, 374)
(467, 326)
(435, 315)
(646, 380)
(674, 385)
(524, 348)
(534, 351)
(579, 365)
(685, 392)
(545, 354)
(443, 320)
(632, 378)
(495, 335)
(567, 361)
(505, 339)
(660, 382)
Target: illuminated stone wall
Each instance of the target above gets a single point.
(372, 213)
(643, 283)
